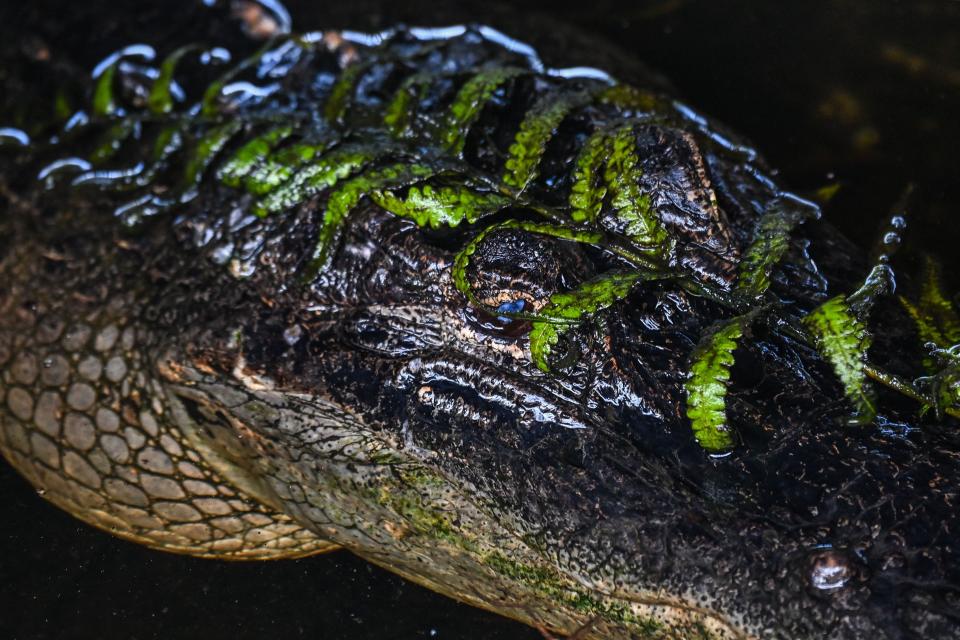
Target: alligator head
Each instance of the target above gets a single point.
(427, 300)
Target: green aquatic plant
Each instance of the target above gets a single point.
(770, 243)
(470, 101)
(707, 384)
(572, 307)
(443, 206)
(538, 126)
(935, 317)
(942, 386)
(844, 340)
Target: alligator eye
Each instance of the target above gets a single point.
(515, 306)
(502, 325)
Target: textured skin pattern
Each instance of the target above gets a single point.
(87, 423)
(180, 385)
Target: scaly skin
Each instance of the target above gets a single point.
(180, 384)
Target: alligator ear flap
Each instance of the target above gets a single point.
(707, 384)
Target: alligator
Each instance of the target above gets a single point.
(550, 344)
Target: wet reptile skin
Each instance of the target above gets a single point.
(179, 386)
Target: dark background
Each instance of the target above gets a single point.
(864, 94)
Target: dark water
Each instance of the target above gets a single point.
(864, 94)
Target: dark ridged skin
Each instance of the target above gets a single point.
(189, 383)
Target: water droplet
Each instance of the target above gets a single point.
(292, 334)
(47, 363)
(222, 254)
(242, 268)
(829, 569)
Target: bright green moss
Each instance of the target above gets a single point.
(399, 111)
(104, 103)
(207, 148)
(282, 166)
(632, 98)
(936, 318)
(322, 174)
(589, 189)
(210, 103)
(160, 99)
(341, 95)
(346, 197)
(112, 140)
(631, 205)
